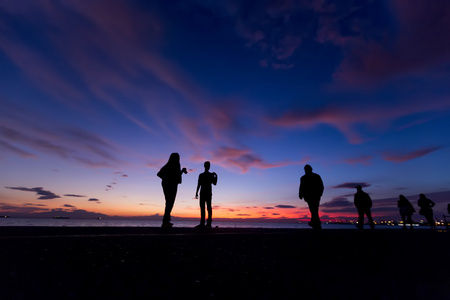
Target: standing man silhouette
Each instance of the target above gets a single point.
(363, 204)
(205, 181)
(311, 189)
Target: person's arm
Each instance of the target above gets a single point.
(198, 187)
(300, 191)
(214, 178)
(161, 173)
(321, 186)
(369, 201)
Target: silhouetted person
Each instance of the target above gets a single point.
(311, 189)
(363, 204)
(426, 209)
(406, 210)
(171, 177)
(205, 181)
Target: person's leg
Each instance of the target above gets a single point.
(430, 219)
(170, 193)
(404, 221)
(360, 218)
(369, 217)
(313, 205)
(409, 220)
(202, 211)
(209, 208)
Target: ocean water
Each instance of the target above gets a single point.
(157, 223)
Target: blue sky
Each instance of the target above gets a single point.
(95, 95)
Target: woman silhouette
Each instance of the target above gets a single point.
(171, 177)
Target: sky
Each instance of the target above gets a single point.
(95, 96)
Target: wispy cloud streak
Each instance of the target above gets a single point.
(406, 156)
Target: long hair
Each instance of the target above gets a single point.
(174, 161)
(171, 171)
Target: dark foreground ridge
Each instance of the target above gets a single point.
(222, 263)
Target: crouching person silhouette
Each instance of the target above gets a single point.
(205, 182)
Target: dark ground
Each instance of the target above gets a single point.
(183, 263)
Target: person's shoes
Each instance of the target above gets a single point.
(201, 225)
(208, 225)
(315, 226)
(167, 225)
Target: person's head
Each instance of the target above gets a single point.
(308, 169)
(358, 188)
(402, 198)
(174, 159)
(422, 196)
(207, 165)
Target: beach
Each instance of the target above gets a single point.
(222, 263)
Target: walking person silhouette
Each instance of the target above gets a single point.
(363, 204)
(311, 189)
(426, 209)
(406, 210)
(170, 174)
(205, 181)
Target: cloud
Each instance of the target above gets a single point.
(34, 204)
(74, 195)
(406, 47)
(243, 159)
(365, 160)
(13, 149)
(121, 174)
(68, 205)
(351, 185)
(94, 199)
(268, 207)
(285, 206)
(338, 204)
(274, 29)
(44, 194)
(402, 157)
(27, 208)
(22, 128)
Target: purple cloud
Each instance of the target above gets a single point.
(351, 185)
(243, 159)
(74, 195)
(44, 194)
(365, 160)
(285, 206)
(402, 157)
